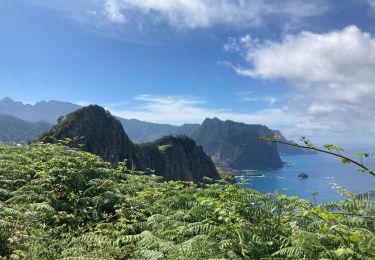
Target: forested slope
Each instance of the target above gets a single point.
(61, 203)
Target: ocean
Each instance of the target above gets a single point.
(323, 170)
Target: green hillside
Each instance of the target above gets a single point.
(62, 203)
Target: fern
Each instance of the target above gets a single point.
(60, 203)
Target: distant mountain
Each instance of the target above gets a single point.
(48, 111)
(138, 131)
(289, 150)
(237, 145)
(13, 129)
(142, 132)
(175, 158)
(187, 129)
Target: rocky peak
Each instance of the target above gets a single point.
(97, 131)
(174, 158)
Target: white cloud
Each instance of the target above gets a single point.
(206, 13)
(184, 14)
(180, 110)
(249, 96)
(332, 75)
(113, 11)
(371, 3)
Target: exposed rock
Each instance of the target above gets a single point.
(98, 132)
(237, 145)
(174, 158)
(303, 175)
(184, 160)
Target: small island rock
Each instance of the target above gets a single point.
(303, 175)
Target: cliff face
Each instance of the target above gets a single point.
(98, 131)
(237, 145)
(177, 158)
(174, 158)
(184, 160)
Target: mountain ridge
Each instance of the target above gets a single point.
(174, 158)
(138, 131)
(48, 111)
(13, 129)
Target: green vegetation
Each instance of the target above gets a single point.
(61, 203)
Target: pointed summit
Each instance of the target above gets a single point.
(98, 131)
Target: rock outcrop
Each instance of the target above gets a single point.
(303, 175)
(237, 145)
(184, 160)
(95, 130)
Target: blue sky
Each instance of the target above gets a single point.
(305, 67)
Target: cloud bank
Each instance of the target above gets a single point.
(332, 75)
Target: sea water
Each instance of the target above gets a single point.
(323, 170)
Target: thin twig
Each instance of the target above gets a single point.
(328, 152)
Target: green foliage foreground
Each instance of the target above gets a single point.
(56, 203)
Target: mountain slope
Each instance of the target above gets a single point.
(181, 159)
(13, 129)
(142, 132)
(48, 111)
(175, 158)
(237, 145)
(138, 131)
(101, 134)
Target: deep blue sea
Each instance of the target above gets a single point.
(323, 170)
